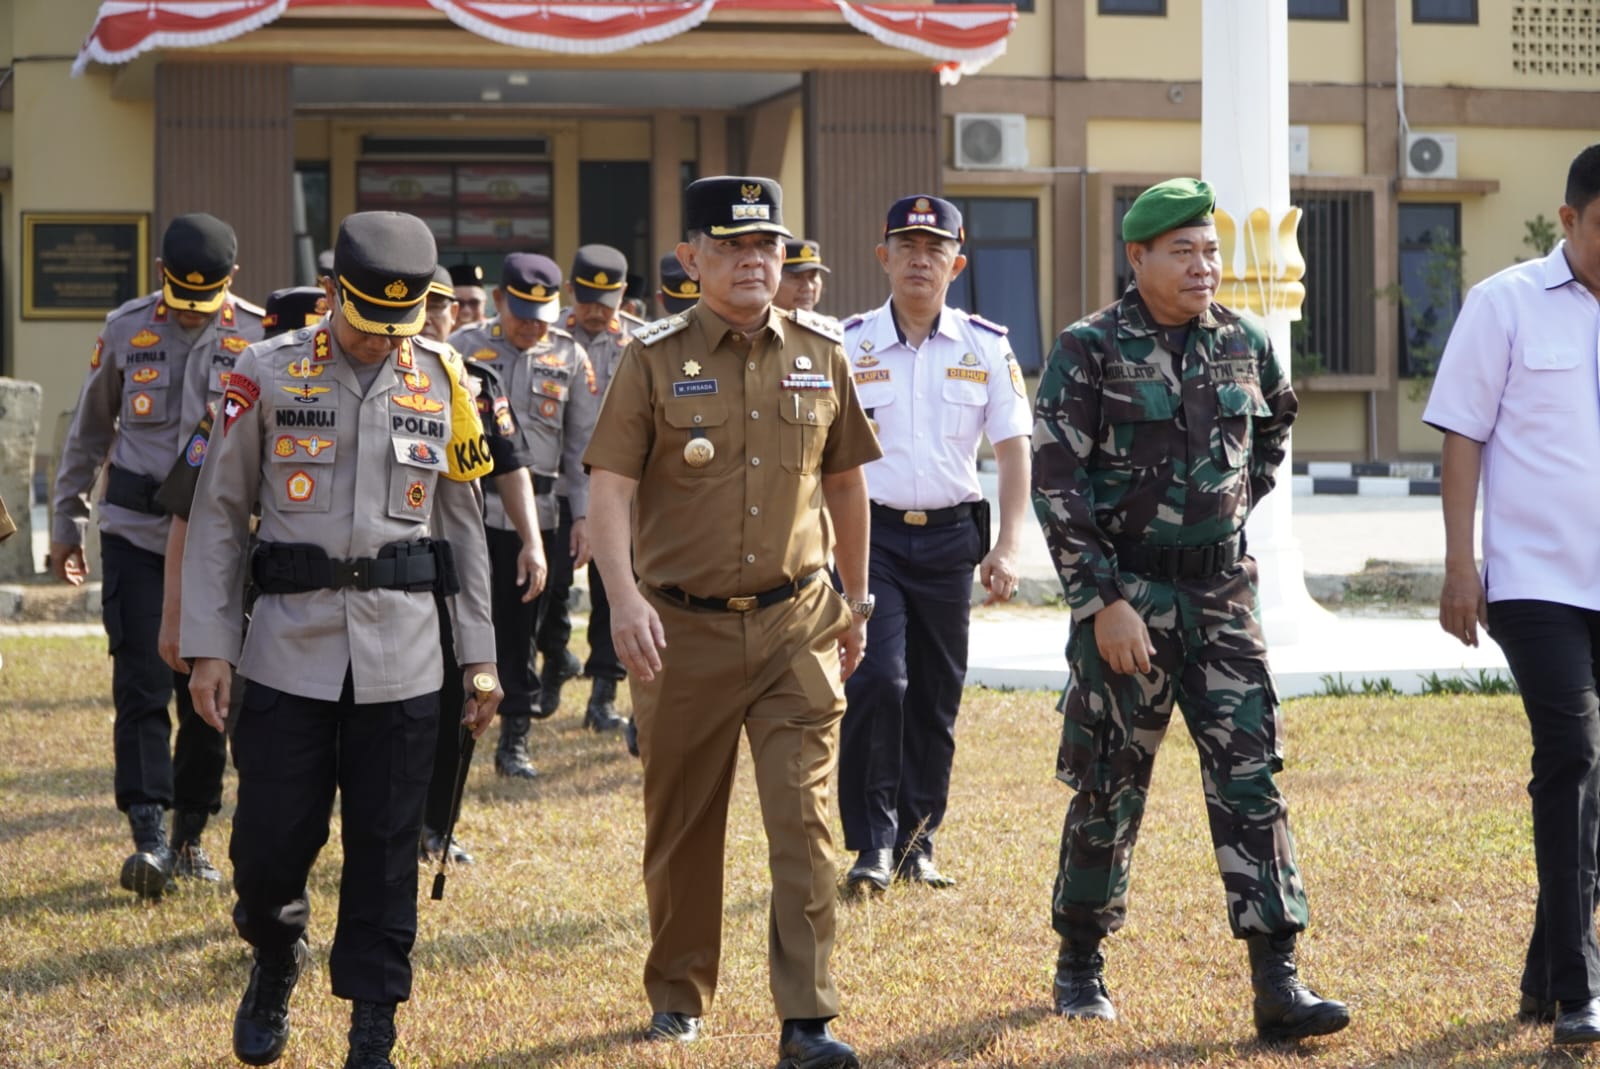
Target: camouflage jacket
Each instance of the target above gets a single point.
(1127, 444)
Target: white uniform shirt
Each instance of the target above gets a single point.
(932, 403)
(1521, 374)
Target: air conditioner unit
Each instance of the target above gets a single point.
(991, 142)
(1430, 155)
(1299, 150)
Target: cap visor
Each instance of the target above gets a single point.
(587, 295)
(749, 228)
(674, 305)
(925, 229)
(544, 311)
(184, 299)
(809, 265)
(388, 322)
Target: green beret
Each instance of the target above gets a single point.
(1167, 206)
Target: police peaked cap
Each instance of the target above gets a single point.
(293, 308)
(728, 205)
(679, 292)
(383, 265)
(465, 274)
(599, 275)
(803, 256)
(932, 215)
(198, 254)
(532, 286)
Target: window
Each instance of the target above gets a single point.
(1001, 282)
(1133, 7)
(1023, 6)
(1459, 11)
(1430, 283)
(313, 229)
(477, 211)
(1328, 10)
(1334, 334)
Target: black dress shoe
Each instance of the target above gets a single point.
(806, 1043)
(1533, 1010)
(678, 1027)
(918, 868)
(870, 874)
(1578, 1023)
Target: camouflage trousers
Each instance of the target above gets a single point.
(1211, 659)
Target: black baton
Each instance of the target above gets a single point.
(483, 684)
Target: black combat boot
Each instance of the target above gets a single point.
(808, 1043)
(630, 736)
(1080, 987)
(371, 1035)
(148, 870)
(261, 1025)
(511, 753)
(554, 673)
(1285, 1007)
(601, 715)
(190, 860)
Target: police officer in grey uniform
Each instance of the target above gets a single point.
(678, 292)
(153, 367)
(554, 397)
(596, 321)
(358, 442)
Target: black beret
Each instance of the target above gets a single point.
(729, 205)
(198, 254)
(465, 274)
(803, 256)
(679, 292)
(599, 275)
(933, 215)
(383, 263)
(532, 285)
(293, 308)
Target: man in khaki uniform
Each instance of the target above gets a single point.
(554, 397)
(726, 430)
(158, 359)
(359, 442)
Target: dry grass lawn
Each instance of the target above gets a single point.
(1410, 814)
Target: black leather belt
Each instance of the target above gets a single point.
(130, 490)
(296, 567)
(745, 602)
(924, 517)
(1178, 562)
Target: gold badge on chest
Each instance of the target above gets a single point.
(691, 368)
(698, 452)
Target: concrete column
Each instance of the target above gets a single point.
(1244, 153)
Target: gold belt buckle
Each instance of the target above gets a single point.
(916, 518)
(746, 603)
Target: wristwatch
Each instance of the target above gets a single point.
(862, 609)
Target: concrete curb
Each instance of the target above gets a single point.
(49, 603)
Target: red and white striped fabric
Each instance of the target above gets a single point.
(959, 40)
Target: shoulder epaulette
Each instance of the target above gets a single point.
(248, 306)
(827, 326)
(853, 321)
(631, 321)
(137, 304)
(651, 333)
(987, 325)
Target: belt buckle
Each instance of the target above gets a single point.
(746, 603)
(356, 572)
(915, 518)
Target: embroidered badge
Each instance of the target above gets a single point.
(99, 347)
(880, 375)
(144, 339)
(417, 380)
(313, 445)
(418, 403)
(416, 453)
(321, 347)
(423, 453)
(300, 486)
(142, 404)
(416, 495)
(194, 454)
(146, 374)
(305, 369)
(966, 373)
(548, 407)
(235, 344)
(306, 393)
(551, 388)
(284, 446)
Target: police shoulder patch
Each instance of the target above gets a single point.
(996, 328)
(651, 333)
(827, 326)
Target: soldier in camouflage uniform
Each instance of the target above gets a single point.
(1160, 420)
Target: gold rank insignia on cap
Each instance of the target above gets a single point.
(601, 278)
(698, 452)
(751, 192)
(538, 292)
(922, 205)
(691, 368)
(689, 287)
(395, 290)
(194, 276)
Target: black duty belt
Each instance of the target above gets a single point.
(542, 484)
(743, 603)
(1178, 562)
(924, 517)
(297, 567)
(130, 490)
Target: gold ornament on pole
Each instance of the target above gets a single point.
(1273, 266)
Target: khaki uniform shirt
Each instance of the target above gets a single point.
(147, 387)
(554, 397)
(779, 409)
(350, 471)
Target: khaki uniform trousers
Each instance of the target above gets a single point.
(774, 674)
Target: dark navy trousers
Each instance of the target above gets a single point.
(897, 740)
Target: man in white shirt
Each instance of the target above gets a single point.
(1517, 399)
(934, 380)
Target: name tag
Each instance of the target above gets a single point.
(694, 387)
(968, 374)
(1122, 372)
(879, 375)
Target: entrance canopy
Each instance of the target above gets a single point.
(960, 40)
